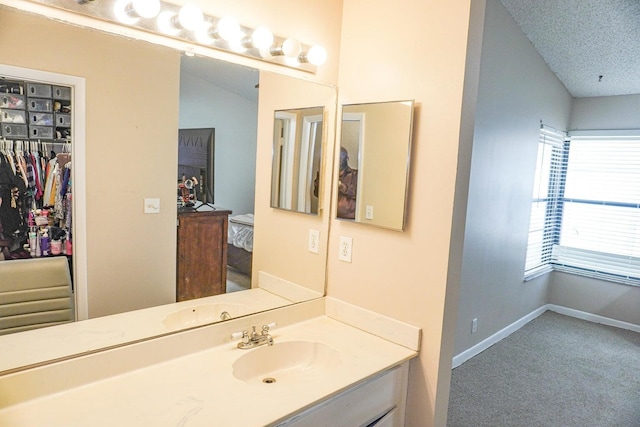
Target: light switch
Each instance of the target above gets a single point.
(151, 206)
(368, 213)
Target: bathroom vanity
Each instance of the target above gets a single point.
(323, 369)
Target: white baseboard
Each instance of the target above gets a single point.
(505, 332)
(593, 317)
(501, 334)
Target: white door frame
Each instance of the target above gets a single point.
(78, 170)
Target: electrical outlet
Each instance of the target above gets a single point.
(368, 213)
(151, 206)
(474, 325)
(314, 241)
(345, 249)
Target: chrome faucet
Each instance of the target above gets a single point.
(225, 315)
(254, 339)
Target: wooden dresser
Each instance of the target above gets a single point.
(202, 254)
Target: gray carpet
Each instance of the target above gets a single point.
(556, 371)
(237, 281)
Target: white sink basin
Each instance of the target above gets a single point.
(286, 362)
(201, 315)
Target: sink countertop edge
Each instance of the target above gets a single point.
(197, 385)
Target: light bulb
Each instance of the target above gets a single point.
(237, 46)
(190, 17)
(165, 23)
(317, 55)
(262, 38)
(266, 53)
(228, 29)
(146, 8)
(291, 48)
(120, 11)
(203, 32)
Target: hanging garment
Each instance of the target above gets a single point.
(11, 187)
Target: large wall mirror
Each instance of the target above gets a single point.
(128, 152)
(373, 164)
(297, 157)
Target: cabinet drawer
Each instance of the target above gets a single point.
(390, 419)
(12, 116)
(41, 119)
(37, 104)
(63, 120)
(44, 132)
(14, 131)
(39, 90)
(10, 100)
(359, 406)
(62, 93)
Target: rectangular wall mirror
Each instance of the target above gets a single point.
(128, 260)
(297, 159)
(373, 172)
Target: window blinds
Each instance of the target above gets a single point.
(585, 216)
(599, 203)
(545, 210)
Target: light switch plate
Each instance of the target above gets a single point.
(346, 244)
(368, 214)
(151, 206)
(314, 241)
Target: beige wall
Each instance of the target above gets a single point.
(420, 54)
(130, 153)
(280, 236)
(132, 120)
(383, 164)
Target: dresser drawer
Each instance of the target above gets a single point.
(38, 104)
(12, 116)
(39, 90)
(63, 120)
(41, 119)
(11, 100)
(62, 93)
(44, 132)
(14, 131)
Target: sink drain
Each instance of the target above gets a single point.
(268, 380)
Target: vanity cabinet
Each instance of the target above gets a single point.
(202, 254)
(378, 402)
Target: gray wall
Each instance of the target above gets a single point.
(606, 112)
(516, 91)
(205, 105)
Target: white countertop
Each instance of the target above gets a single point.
(199, 389)
(39, 345)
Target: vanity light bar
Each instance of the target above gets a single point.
(188, 23)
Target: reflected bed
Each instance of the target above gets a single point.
(240, 241)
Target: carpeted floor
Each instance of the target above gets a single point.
(237, 281)
(556, 371)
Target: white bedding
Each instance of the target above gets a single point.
(241, 231)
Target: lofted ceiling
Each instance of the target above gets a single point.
(582, 40)
(235, 78)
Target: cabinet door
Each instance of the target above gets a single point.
(202, 256)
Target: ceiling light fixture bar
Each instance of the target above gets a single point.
(189, 24)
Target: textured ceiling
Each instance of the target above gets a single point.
(582, 40)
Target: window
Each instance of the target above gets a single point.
(586, 207)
